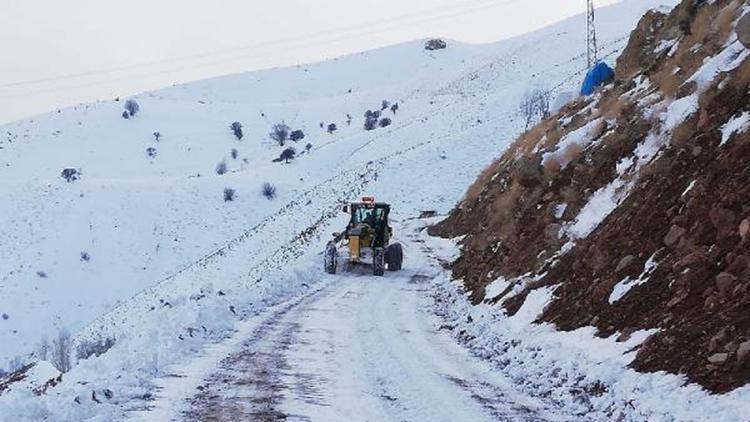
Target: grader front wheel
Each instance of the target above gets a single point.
(330, 258)
(378, 262)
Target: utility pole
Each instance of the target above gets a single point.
(592, 52)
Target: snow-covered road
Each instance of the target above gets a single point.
(361, 348)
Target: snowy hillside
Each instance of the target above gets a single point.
(145, 249)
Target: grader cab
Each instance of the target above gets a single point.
(366, 240)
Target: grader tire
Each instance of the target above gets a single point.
(330, 258)
(395, 257)
(378, 262)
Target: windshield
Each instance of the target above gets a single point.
(369, 216)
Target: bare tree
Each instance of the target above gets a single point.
(535, 106)
(62, 348)
(44, 348)
(280, 133)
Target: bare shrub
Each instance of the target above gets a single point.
(288, 154)
(151, 152)
(43, 350)
(435, 44)
(269, 191)
(280, 133)
(70, 174)
(384, 122)
(297, 135)
(332, 128)
(535, 106)
(229, 194)
(236, 128)
(221, 168)
(132, 107)
(94, 348)
(61, 351)
(234, 153)
(15, 364)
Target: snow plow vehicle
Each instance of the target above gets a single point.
(366, 240)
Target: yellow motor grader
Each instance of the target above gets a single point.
(367, 239)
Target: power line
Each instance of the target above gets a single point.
(466, 7)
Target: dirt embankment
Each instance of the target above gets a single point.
(634, 202)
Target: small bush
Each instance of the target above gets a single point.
(221, 168)
(132, 107)
(332, 128)
(70, 174)
(371, 123)
(85, 257)
(394, 108)
(269, 191)
(297, 135)
(125, 114)
(384, 122)
(237, 130)
(61, 351)
(280, 133)
(229, 194)
(384, 105)
(288, 154)
(5, 316)
(157, 136)
(308, 147)
(369, 114)
(151, 152)
(348, 119)
(41, 274)
(234, 153)
(93, 348)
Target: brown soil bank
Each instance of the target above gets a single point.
(629, 203)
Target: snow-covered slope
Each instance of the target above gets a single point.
(145, 250)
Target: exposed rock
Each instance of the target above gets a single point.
(713, 344)
(624, 262)
(725, 283)
(743, 30)
(744, 227)
(743, 350)
(718, 358)
(674, 235)
(553, 231)
(529, 171)
(722, 220)
(690, 260)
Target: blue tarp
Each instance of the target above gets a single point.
(597, 76)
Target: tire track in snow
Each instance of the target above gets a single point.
(362, 348)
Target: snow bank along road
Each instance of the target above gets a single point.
(360, 348)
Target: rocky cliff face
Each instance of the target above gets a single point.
(634, 203)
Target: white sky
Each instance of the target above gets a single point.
(58, 53)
